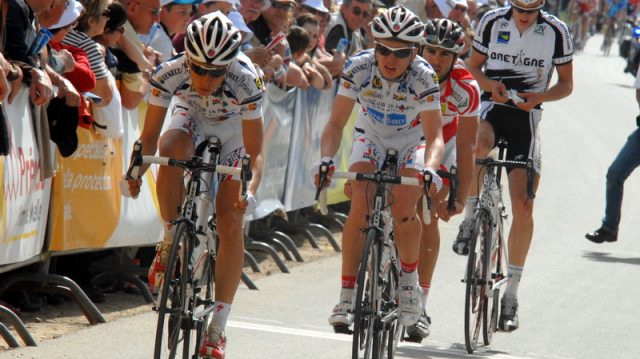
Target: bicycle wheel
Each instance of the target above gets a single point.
(394, 332)
(204, 300)
(474, 279)
(493, 256)
(367, 300)
(174, 324)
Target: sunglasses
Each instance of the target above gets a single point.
(524, 11)
(208, 71)
(282, 5)
(446, 43)
(398, 52)
(155, 11)
(357, 12)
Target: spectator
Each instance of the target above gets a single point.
(299, 39)
(310, 24)
(113, 30)
(174, 17)
(348, 23)
(317, 9)
(90, 24)
(206, 7)
(251, 9)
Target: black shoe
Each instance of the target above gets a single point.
(602, 235)
(508, 320)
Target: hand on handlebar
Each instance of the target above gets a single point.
(325, 171)
(436, 181)
(130, 187)
(443, 210)
(247, 204)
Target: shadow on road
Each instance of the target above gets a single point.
(608, 257)
(456, 350)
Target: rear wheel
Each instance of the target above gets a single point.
(475, 278)
(367, 303)
(394, 332)
(173, 330)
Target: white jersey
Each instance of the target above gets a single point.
(523, 62)
(389, 108)
(238, 98)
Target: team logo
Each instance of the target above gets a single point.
(155, 91)
(443, 107)
(539, 30)
(396, 27)
(400, 97)
(377, 83)
(252, 106)
(211, 53)
(430, 98)
(503, 37)
(346, 84)
(259, 83)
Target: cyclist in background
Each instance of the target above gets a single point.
(400, 100)
(218, 92)
(615, 11)
(460, 105)
(581, 10)
(516, 48)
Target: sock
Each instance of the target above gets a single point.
(169, 231)
(346, 295)
(348, 281)
(470, 207)
(425, 293)
(515, 274)
(409, 274)
(219, 319)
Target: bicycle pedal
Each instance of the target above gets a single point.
(342, 329)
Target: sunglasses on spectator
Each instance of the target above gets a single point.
(398, 52)
(357, 12)
(155, 11)
(460, 8)
(282, 5)
(524, 11)
(208, 71)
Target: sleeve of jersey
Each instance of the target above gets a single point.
(251, 97)
(483, 36)
(427, 91)
(563, 51)
(355, 70)
(161, 88)
(470, 94)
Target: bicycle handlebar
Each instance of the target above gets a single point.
(527, 165)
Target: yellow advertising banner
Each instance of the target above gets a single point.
(335, 194)
(86, 198)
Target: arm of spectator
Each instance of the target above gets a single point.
(135, 53)
(13, 76)
(133, 88)
(259, 55)
(296, 77)
(334, 64)
(41, 88)
(313, 76)
(324, 72)
(81, 76)
(66, 89)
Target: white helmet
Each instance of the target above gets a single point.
(212, 39)
(528, 4)
(398, 23)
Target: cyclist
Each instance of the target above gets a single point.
(581, 10)
(399, 95)
(615, 10)
(217, 92)
(518, 46)
(460, 105)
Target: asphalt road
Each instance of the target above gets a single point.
(577, 299)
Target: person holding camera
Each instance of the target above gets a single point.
(627, 160)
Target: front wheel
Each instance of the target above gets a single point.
(367, 301)
(475, 282)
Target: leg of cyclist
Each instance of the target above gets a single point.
(520, 237)
(407, 232)
(174, 143)
(352, 244)
(485, 141)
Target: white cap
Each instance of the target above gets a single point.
(446, 6)
(238, 22)
(178, 2)
(316, 5)
(70, 14)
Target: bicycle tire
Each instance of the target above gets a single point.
(474, 279)
(204, 300)
(491, 305)
(394, 333)
(168, 341)
(366, 303)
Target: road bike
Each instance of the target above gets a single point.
(376, 328)
(186, 299)
(487, 261)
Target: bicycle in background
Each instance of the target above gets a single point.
(486, 270)
(186, 299)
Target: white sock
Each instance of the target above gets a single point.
(346, 295)
(220, 317)
(470, 207)
(425, 295)
(515, 274)
(408, 278)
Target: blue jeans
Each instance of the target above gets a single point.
(627, 160)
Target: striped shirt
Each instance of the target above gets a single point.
(90, 47)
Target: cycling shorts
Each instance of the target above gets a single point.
(519, 128)
(367, 147)
(229, 132)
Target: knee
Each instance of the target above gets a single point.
(404, 214)
(522, 207)
(176, 144)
